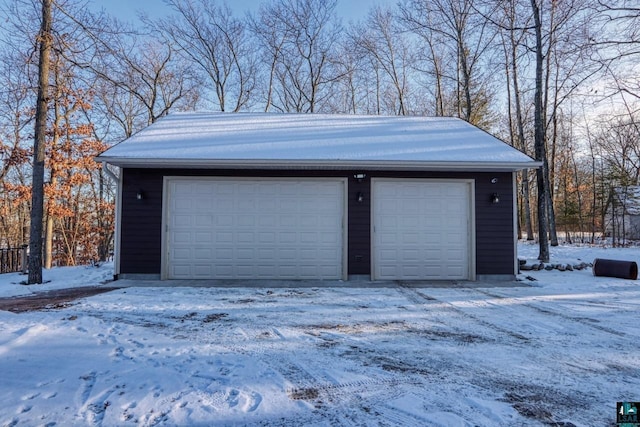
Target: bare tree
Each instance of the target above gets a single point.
(512, 34)
(137, 87)
(464, 34)
(210, 37)
(272, 35)
(352, 90)
(539, 139)
(45, 42)
(431, 61)
(618, 42)
(301, 37)
(618, 142)
(380, 39)
(16, 124)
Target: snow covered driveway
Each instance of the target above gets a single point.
(562, 351)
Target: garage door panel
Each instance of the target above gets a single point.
(267, 221)
(223, 271)
(265, 255)
(202, 254)
(244, 254)
(266, 205)
(203, 237)
(388, 221)
(223, 220)
(267, 238)
(223, 256)
(309, 222)
(245, 238)
(421, 229)
(288, 205)
(182, 270)
(184, 220)
(327, 271)
(182, 237)
(184, 188)
(201, 204)
(222, 204)
(201, 270)
(205, 220)
(287, 219)
(309, 237)
(457, 238)
(246, 220)
(255, 229)
(410, 238)
(307, 255)
(411, 255)
(183, 253)
(223, 237)
(287, 238)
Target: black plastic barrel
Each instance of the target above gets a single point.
(615, 268)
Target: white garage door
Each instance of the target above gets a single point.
(421, 230)
(254, 229)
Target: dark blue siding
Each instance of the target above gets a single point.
(141, 220)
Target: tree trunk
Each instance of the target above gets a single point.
(48, 242)
(576, 178)
(526, 192)
(513, 137)
(550, 177)
(37, 188)
(53, 178)
(549, 168)
(438, 76)
(521, 139)
(539, 143)
(551, 215)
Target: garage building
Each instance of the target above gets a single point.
(249, 196)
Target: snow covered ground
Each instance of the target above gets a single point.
(560, 350)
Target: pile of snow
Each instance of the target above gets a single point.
(14, 284)
(562, 352)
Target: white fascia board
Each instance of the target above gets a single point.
(316, 164)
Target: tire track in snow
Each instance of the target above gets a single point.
(420, 298)
(344, 403)
(353, 403)
(534, 399)
(583, 321)
(624, 371)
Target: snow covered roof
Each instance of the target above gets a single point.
(267, 140)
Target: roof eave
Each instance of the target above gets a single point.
(129, 162)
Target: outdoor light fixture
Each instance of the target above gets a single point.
(495, 198)
(494, 180)
(359, 197)
(360, 176)
(140, 195)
